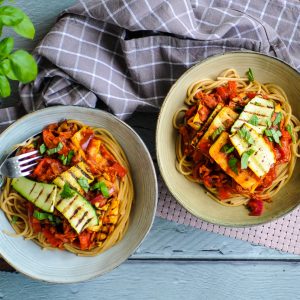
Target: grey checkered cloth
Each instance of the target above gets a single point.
(127, 54)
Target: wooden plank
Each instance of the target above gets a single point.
(168, 240)
(167, 280)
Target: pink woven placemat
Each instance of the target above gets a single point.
(282, 234)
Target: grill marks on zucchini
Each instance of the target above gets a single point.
(78, 211)
(42, 195)
(72, 175)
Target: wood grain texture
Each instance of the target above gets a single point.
(167, 280)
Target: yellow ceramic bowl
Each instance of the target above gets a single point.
(191, 195)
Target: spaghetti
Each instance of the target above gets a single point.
(107, 162)
(222, 170)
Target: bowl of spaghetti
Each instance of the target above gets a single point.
(86, 206)
(227, 139)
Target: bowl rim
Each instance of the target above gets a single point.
(153, 173)
(159, 122)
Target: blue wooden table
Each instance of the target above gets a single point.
(175, 261)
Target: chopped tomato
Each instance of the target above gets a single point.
(190, 112)
(255, 207)
(85, 239)
(100, 199)
(47, 169)
(118, 169)
(251, 95)
(222, 92)
(203, 113)
(224, 193)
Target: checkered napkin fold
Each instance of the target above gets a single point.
(127, 54)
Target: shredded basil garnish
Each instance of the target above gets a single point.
(290, 131)
(227, 149)
(217, 132)
(277, 119)
(56, 149)
(245, 157)
(83, 182)
(67, 192)
(250, 75)
(245, 134)
(233, 164)
(43, 149)
(101, 186)
(253, 120)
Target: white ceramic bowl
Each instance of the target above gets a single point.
(191, 195)
(62, 266)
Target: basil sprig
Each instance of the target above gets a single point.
(217, 132)
(15, 65)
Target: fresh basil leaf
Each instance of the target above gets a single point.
(46, 216)
(84, 184)
(14, 219)
(245, 134)
(56, 149)
(227, 149)
(6, 69)
(233, 164)
(245, 157)
(63, 159)
(276, 134)
(253, 120)
(217, 132)
(10, 15)
(25, 28)
(4, 87)
(43, 149)
(101, 186)
(67, 192)
(23, 65)
(290, 131)
(277, 119)
(70, 156)
(6, 46)
(268, 123)
(250, 75)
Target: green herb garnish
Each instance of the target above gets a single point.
(46, 216)
(277, 119)
(268, 123)
(227, 149)
(254, 120)
(245, 134)
(43, 148)
(14, 219)
(273, 135)
(250, 75)
(217, 132)
(66, 160)
(290, 131)
(84, 184)
(67, 192)
(233, 164)
(245, 157)
(101, 186)
(56, 149)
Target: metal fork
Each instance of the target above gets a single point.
(19, 166)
